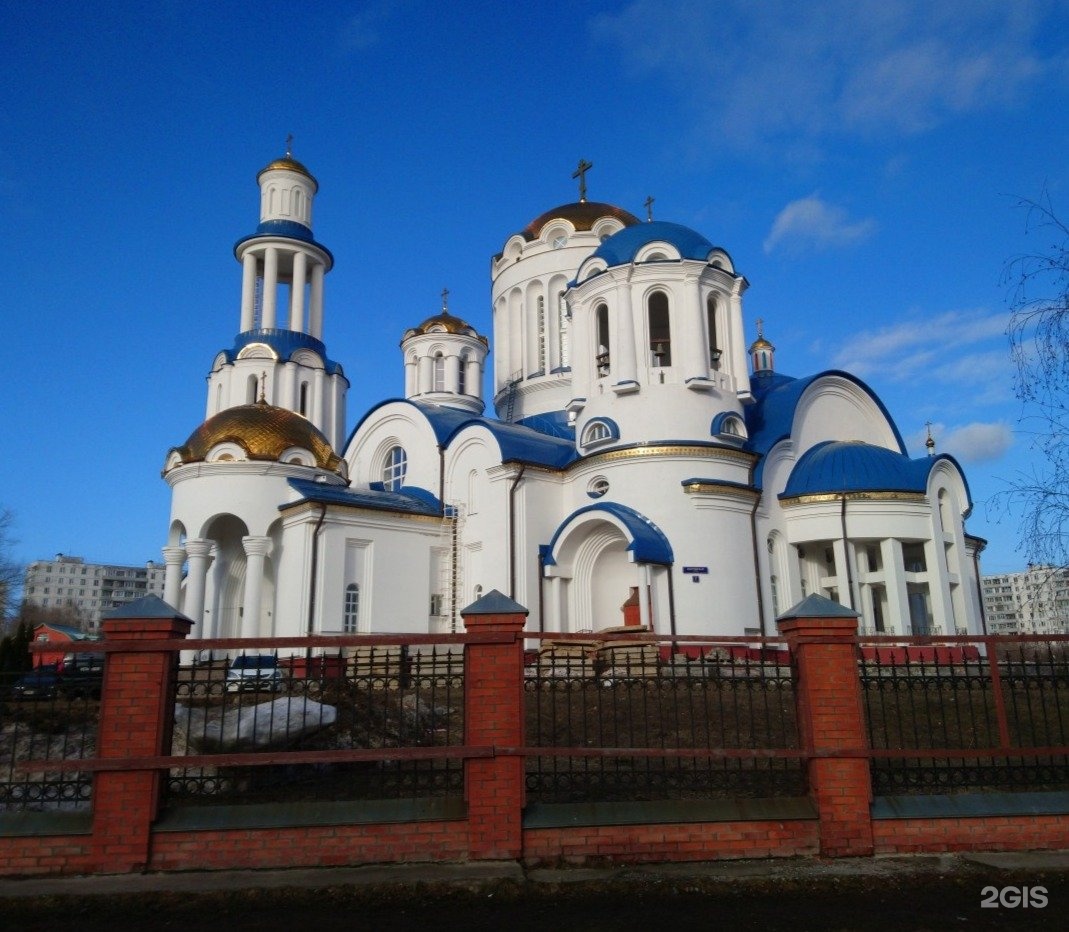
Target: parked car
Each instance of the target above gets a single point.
(42, 683)
(254, 672)
(80, 680)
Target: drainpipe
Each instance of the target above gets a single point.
(671, 603)
(757, 557)
(541, 594)
(979, 586)
(512, 531)
(846, 554)
(313, 573)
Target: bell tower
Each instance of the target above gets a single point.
(279, 353)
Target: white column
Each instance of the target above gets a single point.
(269, 319)
(644, 595)
(473, 377)
(256, 549)
(622, 361)
(410, 377)
(426, 374)
(173, 558)
(452, 373)
(290, 396)
(297, 283)
(842, 573)
(337, 384)
(691, 341)
(315, 310)
(249, 267)
(198, 552)
(939, 585)
(318, 380)
(894, 574)
(557, 611)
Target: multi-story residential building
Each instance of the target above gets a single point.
(92, 589)
(1035, 601)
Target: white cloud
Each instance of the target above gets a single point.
(758, 72)
(970, 443)
(812, 224)
(945, 347)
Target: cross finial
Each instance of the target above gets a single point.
(760, 328)
(445, 300)
(289, 146)
(930, 442)
(649, 208)
(263, 388)
(580, 173)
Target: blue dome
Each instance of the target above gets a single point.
(835, 466)
(621, 247)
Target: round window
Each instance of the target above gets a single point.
(598, 486)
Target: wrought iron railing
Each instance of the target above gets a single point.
(48, 718)
(306, 718)
(640, 720)
(969, 714)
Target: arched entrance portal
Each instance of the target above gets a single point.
(597, 558)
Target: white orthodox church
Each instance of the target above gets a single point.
(639, 451)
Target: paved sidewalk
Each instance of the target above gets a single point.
(475, 874)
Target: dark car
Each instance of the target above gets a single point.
(78, 679)
(42, 683)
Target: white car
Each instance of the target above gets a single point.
(254, 672)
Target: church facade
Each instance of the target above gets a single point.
(640, 450)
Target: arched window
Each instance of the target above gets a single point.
(601, 349)
(303, 404)
(714, 349)
(477, 593)
(439, 372)
(394, 469)
(351, 610)
(598, 431)
(462, 374)
(660, 329)
(250, 390)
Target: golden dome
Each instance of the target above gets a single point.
(582, 215)
(263, 431)
(444, 322)
(289, 164)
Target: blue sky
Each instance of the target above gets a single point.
(860, 161)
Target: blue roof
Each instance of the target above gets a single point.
(648, 543)
(285, 343)
(838, 466)
(622, 246)
(517, 442)
(408, 499)
(769, 419)
(289, 229)
(552, 423)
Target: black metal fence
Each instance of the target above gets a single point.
(46, 716)
(998, 695)
(371, 698)
(702, 724)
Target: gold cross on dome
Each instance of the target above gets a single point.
(649, 208)
(580, 173)
(445, 300)
(289, 146)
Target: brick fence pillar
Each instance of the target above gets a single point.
(820, 634)
(494, 716)
(135, 721)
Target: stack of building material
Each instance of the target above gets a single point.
(619, 658)
(567, 658)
